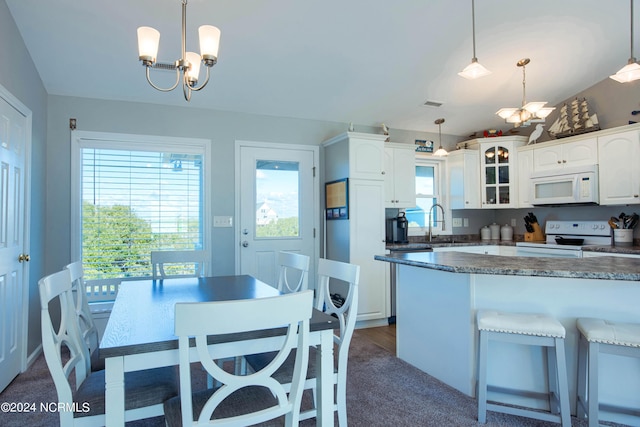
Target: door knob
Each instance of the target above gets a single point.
(245, 244)
(23, 257)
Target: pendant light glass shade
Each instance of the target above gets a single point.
(475, 69)
(440, 152)
(631, 71)
(148, 42)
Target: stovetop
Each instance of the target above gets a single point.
(594, 233)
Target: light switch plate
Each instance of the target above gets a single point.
(223, 221)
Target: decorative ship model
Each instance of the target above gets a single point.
(574, 119)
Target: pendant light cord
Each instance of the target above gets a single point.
(631, 57)
(473, 29)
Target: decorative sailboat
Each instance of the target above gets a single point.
(574, 119)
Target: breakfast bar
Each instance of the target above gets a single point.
(439, 294)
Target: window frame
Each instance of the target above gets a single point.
(134, 142)
(439, 174)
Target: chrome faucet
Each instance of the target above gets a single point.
(430, 222)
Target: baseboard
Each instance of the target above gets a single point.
(372, 323)
(33, 356)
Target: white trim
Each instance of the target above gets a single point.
(26, 243)
(316, 194)
(439, 163)
(81, 139)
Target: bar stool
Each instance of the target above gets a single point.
(528, 329)
(601, 336)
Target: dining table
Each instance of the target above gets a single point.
(140, 334)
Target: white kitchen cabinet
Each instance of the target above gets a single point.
(498, 171)
(565, 155)
(359, 238)
(463, 172)
(399, 175)
(525, 169)
(619, 170)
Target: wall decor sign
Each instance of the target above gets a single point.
(337, 199)
(424, 146)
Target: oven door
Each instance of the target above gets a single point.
(549, 251)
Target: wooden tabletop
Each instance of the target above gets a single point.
(142, 319)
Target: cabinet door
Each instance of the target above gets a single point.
(525, 168)
(498, 187)
(366, 239)
(463, 170)
(404, 177)
(580, 153)
(547, 158)
(366, 159)
(619, 174)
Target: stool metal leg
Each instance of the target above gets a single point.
(482, 377)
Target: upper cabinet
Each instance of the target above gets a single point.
(463, 170)
(619, 170)
(498, 171)
(565, 155)
(399, 175)
(365, 154)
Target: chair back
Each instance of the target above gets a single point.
(348, 274)
(200, 320)
(63, 347)
(167, 264)
(294, 272)
(88, 329)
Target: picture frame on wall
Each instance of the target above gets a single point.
(424, 146)
(337, 199)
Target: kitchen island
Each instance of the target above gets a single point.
(439, 294)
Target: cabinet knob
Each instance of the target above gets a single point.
(383, 172)
(564, 161)
(636, 196)
(559, 162)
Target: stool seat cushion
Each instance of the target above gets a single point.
(520, 323)
(608, 332)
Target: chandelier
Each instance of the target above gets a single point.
(631, 71)
(532, 112)
(475, 69)
(189, 63)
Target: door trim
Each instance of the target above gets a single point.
(28, 115)
(239, 144)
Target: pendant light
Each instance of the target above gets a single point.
(440, 152)
(631, 71)
(475, 69)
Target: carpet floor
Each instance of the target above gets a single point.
(382, 391)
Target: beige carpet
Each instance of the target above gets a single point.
(381, 391)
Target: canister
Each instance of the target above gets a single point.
(506, 232)
(495, 231)
(485, 233)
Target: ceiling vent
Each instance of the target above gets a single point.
(432, 104)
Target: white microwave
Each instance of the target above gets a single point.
(565, 186)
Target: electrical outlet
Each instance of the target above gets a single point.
(457, 222)
(222, 221)
(466, 222)
(513, 222)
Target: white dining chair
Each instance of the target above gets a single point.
(330, 273)
(88, 329)
(171, 264)
(242, 399)
(67, 356)
(293, 273)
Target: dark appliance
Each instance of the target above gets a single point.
(397, 229)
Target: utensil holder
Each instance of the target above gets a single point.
(536, 235)
(623, 237)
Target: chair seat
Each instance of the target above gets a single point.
(252, 398)
(285, 372)
(608, 332)
(143, 388)
(520, 323)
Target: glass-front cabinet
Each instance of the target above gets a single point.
(498, 172)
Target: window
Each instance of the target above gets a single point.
(132, 195)
(428, 193)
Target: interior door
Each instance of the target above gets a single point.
(13, 153)
(278, 205)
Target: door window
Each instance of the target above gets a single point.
(277, 199)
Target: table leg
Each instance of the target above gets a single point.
(324, 383)
(114, 391)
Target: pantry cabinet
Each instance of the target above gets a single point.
(619, 170)
(399, 175)
(463, 170)
(566, 155)
(357, 239)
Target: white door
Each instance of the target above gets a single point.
(277, 207)
(14, 134)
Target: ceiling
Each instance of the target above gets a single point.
(362, 61)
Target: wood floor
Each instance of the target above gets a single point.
(384, 336)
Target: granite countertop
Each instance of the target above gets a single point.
(614, 268)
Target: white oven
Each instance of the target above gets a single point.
(565, 186)
(565, 239)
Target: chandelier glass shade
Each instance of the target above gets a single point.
(188, 66)
(631, 71)
(475, 69)
(532, 112)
